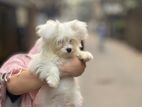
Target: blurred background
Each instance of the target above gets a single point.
(114, 77)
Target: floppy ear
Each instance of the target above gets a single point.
(80, 29)
(47, 30)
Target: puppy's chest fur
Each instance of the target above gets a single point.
(66, 93)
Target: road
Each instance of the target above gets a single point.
(114, 77)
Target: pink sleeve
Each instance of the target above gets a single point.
(11, 66)
(14, 63)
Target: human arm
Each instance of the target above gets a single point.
(23, 83)
(26, 81)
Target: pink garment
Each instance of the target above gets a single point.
(14, 65)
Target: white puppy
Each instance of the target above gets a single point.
(59, 42)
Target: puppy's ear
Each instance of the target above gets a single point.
(47, 30)
(80, 29)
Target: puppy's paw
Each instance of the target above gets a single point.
(53, 77)
(52, 81)
(86, 56)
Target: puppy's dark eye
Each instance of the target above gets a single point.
(71, 41)
(82, 45)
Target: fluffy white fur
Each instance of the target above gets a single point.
(60, 42)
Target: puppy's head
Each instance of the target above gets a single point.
(62, 39)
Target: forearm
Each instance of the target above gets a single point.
(23, 83)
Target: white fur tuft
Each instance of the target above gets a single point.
(80, 29)
(47, 30)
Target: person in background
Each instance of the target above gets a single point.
(102, 33)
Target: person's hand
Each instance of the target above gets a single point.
(74, 67)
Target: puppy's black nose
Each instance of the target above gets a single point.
(69, 50)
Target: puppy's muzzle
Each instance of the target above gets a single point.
(69, 50)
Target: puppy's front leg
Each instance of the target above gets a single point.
(53, 77)
(84, 55)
